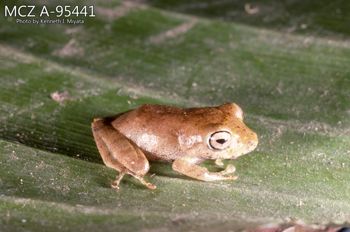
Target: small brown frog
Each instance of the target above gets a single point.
(185, 137)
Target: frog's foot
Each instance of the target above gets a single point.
(188, 166)
(219, 163)
(120, 153)
(228, 170)
(145, 183)
(116, 182)
(230, 178)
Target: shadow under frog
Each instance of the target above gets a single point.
(184, 137)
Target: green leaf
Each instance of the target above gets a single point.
(293, 87)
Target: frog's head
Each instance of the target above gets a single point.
(223, 132)
(231, 138)
(215, 133)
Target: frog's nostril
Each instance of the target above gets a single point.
(252, 144)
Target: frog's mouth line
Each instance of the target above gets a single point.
(236, 153)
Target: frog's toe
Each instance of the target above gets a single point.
(229, 170)
(115, 185)
(151, 186)
(145, 183)
(116, 182)
(219, 163)
(230, 178)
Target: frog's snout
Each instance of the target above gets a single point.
(252, 145)
(253, 142)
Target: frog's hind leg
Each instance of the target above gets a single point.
(189, 167)
(116, 182)
(119, 153)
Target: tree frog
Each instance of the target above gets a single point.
(185, 137)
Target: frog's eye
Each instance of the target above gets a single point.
(219, 140)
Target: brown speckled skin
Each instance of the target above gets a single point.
(167, 133)
(168, 123)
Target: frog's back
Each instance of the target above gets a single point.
(167, 132)
(154, 128)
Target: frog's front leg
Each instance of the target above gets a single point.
(229, 168)
(119, 153)
(219, 163)
(189, 167)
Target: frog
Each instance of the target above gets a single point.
(184, 137)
